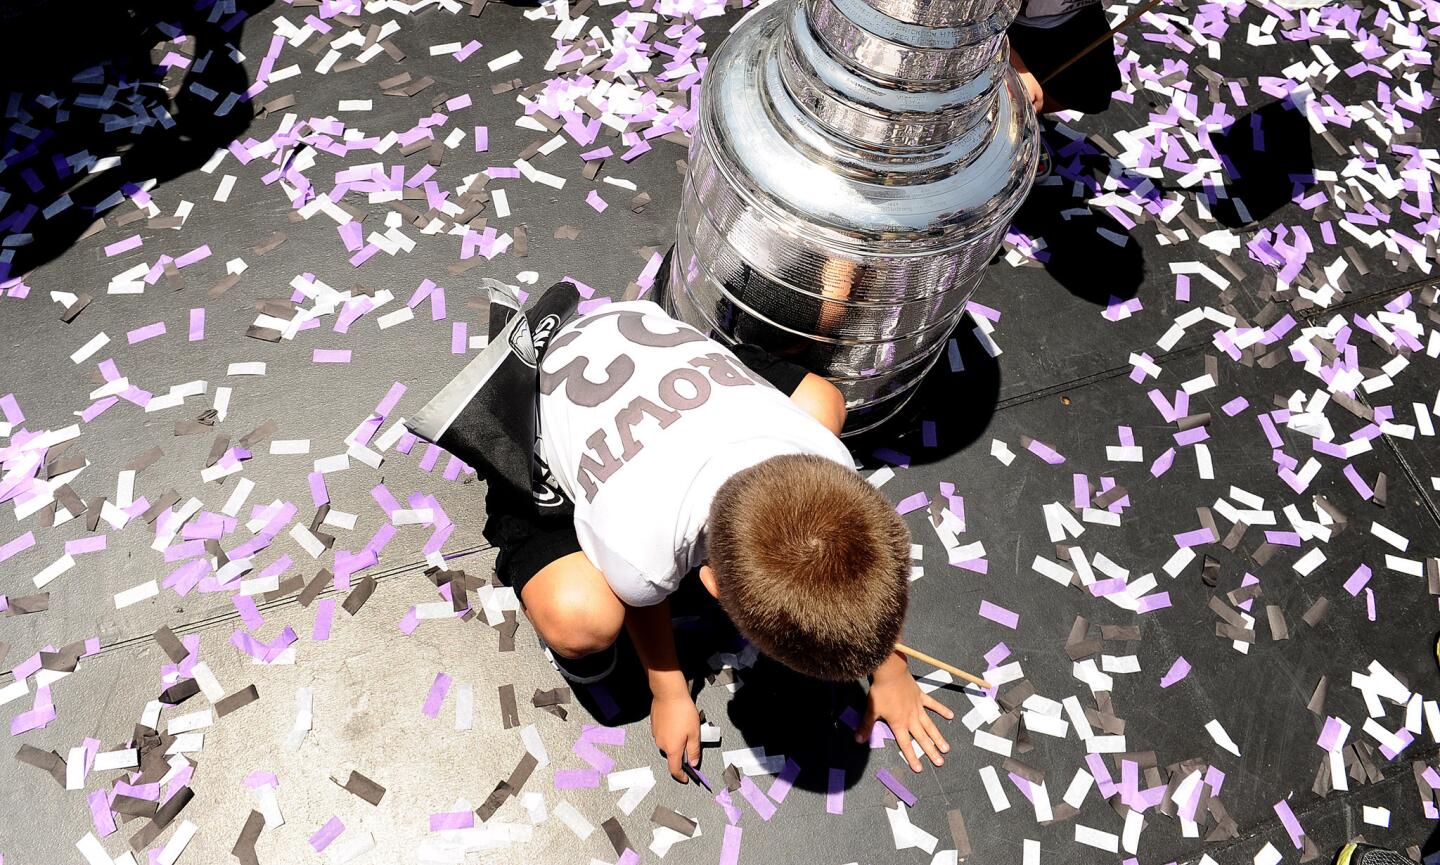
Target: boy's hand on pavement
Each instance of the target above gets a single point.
(1033, 89)
(898, 701)
(675, 723)
(1032, 84)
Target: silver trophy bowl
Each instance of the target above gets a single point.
(854, 166)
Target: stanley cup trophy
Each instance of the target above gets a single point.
(854, 166)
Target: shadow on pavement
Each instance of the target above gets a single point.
(100, 100)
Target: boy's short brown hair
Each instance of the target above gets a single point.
(812, 564)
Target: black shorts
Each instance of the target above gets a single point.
(529, 540)
(1087, 83)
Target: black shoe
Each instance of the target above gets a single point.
(1365, 854)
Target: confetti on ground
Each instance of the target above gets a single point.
(346, 145)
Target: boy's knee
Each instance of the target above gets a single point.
(576, 620)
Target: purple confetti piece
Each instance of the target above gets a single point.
(999, 615)
(912, 503)
(438, 689)
(1358, 580)
(319, 493)
(780, 787)
(1292, 826)
(732, 812)
(835, 792)
(893, 457)
(11, 409)
(1370, 608)
(80, 546)
(1358, 483)
(149, 331)
(1045, 452)
(1329, 734)
(574, 779)
(1195, 538)
(198, 254)
(99, 814)
(1162, 463)
(120, 246)
(459, 337)
(997, 653)
(452, 820)
(324, 618)
(326, 834)
(763, 806)
(900, 790)
(1153, 602)
(880, 733)
(331, 355)
(730, 847)
(1235, 406)
(1178, 670)
(19, 545)
(1191, 436)
(249, 614)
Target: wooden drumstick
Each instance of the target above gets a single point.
(936, 662)
(1150, 4)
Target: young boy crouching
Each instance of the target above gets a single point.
(657, 453)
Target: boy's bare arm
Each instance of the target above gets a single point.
(674, 720)
(822, 401)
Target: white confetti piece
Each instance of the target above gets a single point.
(177, 843)
(189, 722)
(1030, 852)
(503, 61)
(53, 570)
(1090, 837)
(14, 691)
(125, 758)
(227, 184)
(464, 705)
(307, 541)
(1268, 855)
(303, 718)
(83, 353)
(1307, 563)
(93, 851)
(136, 594)
(637, 784)
(399, 316)
(205, 679)
(250, 368)
(336, 463)
(1079, 788)
(994, 744)
(1221, 737)
(75, 768)
(991, 780)
(530, 736)
(574, 820)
